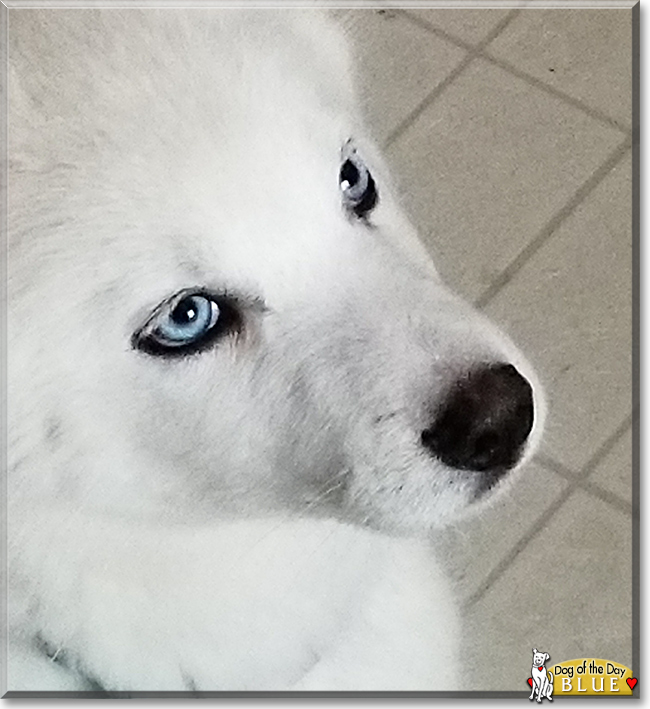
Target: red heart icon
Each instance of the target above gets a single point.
(530, 682)
(631, 682)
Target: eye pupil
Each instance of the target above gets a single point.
(349, 174)
(357, 186)
(185, 312)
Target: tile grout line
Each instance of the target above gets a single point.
(412, 117)
(478, 50)
(521, 544)
(481, 50)
(605, 448)
(610, 498)
(533, 246)
(551, 464)
(588, 486)
(438, 31)
(549, 513)
(592, 112)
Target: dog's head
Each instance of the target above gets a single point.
(539, 658)
(217, 306)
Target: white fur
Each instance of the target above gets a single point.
(241, 518)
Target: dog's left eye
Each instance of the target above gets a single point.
(357, 185)
(186, 323)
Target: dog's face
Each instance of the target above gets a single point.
(539, 658)
(216, 306)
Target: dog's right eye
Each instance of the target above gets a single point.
(188, 322)
(357, 185)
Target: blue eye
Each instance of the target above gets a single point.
(186, 323)
(190, 319)
(357, 186)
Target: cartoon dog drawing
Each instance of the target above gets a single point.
(542, 681)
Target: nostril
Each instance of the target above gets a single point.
(485, 449)
(483, 421)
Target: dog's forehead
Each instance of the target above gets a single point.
(108, 77)
(197, 140)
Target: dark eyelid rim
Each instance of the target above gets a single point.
(371, 198)
(232, 308)
(369, 201)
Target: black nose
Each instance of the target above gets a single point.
(484, 421)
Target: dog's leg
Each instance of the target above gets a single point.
(387, 647)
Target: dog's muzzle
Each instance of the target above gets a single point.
(483, 422)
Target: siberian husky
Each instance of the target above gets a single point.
(240, 399)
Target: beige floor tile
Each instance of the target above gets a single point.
(585, 52)
(398, 65)
(486, 166)
(569, 308)
(469, 25)
(475, 546)
(614, 473)
(568, 593)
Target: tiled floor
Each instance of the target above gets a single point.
(509, 132)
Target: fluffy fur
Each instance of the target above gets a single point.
(246, 518)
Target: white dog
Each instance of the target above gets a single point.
(238, 391)
(542, 680)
